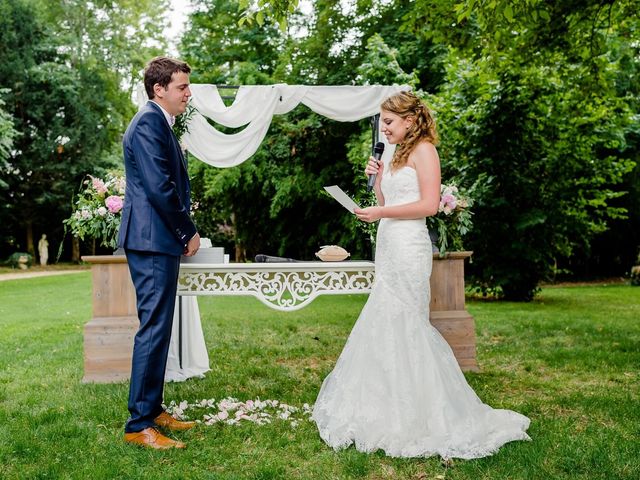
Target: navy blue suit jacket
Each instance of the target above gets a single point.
(155, 216)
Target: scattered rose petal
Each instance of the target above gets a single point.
(231, 411)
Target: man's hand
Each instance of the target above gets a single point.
(192, 246)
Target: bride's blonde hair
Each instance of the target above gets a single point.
(423, 127)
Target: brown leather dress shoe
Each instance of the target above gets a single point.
(152, 438)
(165, 420)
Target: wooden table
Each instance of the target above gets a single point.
(108, 336)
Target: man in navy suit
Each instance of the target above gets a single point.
(156, 230)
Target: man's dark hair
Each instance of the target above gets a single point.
(159, 70)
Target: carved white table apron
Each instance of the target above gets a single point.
(282, 286)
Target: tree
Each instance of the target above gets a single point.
(7, 136)
(380, 65)
(257, 10)
(219, 49)
(543, 114)
(113, 38)
(65, 79)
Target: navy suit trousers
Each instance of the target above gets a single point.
(155, 277)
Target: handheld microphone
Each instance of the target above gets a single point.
(261, 258)
(377, 154)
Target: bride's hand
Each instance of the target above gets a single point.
(369, 214)
(374, 168)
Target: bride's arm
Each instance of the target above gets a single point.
(427, 164)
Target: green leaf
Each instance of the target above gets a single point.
(508, 13)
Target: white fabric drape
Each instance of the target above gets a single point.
(254, 108)
(195, 358)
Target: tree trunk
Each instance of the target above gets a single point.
(75, 250)
(30, 247)
(240, 253)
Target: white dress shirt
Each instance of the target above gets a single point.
(170, 118)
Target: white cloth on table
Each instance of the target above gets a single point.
(195, 358)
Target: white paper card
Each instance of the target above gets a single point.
(342, 198)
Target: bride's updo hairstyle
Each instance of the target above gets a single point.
(423, 127)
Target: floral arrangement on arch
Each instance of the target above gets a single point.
(453, 220)
(98, 209)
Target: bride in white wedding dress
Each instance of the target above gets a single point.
(397, 385)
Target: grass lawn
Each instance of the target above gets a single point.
(569, 361)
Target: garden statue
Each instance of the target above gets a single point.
(43, 250)
(635, 272)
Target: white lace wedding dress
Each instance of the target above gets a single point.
(397, 385)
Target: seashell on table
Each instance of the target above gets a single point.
(332, 253)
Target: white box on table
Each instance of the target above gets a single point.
(206, 255)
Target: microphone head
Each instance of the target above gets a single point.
(379, 148)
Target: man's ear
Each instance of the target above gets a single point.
(158, 90)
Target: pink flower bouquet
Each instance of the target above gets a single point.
(453, 220)
(98, 209)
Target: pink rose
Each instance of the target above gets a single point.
(114, 203)
(449, 200)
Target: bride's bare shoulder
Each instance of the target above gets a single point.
(425, 147)
(424, 152)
